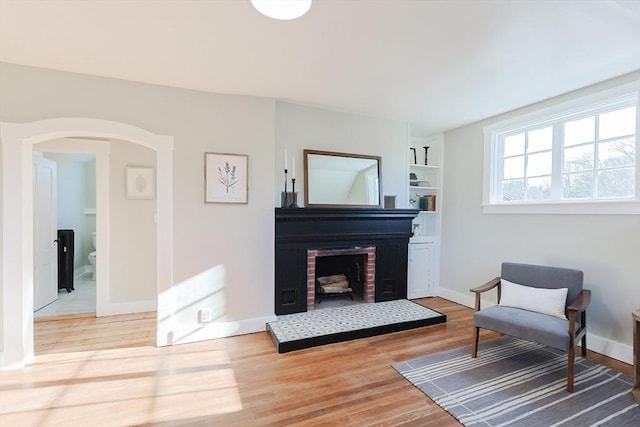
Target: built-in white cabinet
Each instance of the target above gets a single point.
(422, 270)
(425, 194)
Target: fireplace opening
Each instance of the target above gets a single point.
(340, 276)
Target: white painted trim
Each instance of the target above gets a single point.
(629, 207)
(613, 349)
(208, 331)
(81, 271)
(17, 141)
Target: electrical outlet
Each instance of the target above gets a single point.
(204, 315)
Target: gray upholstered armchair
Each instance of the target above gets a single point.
(536, 308)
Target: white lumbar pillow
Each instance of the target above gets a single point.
(540, 300)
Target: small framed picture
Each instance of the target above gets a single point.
(225, 178)
(141, 183)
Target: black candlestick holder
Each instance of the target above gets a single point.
(294, 196)
(415, 159)
(289, 199)
(426, 158)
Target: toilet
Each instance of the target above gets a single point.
(92, 256)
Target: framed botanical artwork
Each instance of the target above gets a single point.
(141, 183)
(225, 178)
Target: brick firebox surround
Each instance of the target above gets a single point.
(369, 270)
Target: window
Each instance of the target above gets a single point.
(567, 158)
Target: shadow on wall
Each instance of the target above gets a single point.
(195, 309)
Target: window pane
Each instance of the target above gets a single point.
(616, 183)
(540, 139)
(513, 190)
(618, 123)
(514, 145)
(539, 164)
(617, 153)
(578, 158)
(579, 131)
(539, 188)
(577, 185)
(513, 167)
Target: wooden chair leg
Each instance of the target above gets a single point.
(583, 323)
(572, 354)
(474, 343)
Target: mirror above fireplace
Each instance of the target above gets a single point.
(341, 180)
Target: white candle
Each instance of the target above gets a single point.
(285, 158)
(293, 173)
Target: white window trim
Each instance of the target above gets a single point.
(555, 112)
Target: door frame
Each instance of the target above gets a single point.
(16, 254)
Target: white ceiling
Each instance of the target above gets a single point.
(437, 64)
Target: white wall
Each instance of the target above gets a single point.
(605, 247)
(132, 229)
(222, 253)
(299, 128)
(236, 239)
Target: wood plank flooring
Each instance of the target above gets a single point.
(107, 372)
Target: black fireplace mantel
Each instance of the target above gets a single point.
(297, 230)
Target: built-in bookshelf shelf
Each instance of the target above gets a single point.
(415, 165)
(415, 187)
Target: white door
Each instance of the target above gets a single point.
(420, 281)
(45, 262)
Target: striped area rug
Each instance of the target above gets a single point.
(519, 383)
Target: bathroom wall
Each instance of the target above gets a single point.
(71, 201)
(90, 201)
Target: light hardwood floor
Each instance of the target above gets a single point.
(106, 372)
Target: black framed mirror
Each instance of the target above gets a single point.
(334, 179)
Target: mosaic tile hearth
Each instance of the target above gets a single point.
(330, 321)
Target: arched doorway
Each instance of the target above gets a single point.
(16, 267)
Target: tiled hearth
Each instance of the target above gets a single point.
(332, 325)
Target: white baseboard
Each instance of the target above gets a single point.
(81, 271)
(113, 309)
(189, 333)
(613, 349)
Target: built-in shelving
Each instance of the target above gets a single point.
(424, 246)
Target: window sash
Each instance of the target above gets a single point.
(556, 117)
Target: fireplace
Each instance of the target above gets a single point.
(357, 264)
(305, 237)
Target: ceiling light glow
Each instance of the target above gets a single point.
(282, 9)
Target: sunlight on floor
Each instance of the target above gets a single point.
(133, 386)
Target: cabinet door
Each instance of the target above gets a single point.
(421, 269)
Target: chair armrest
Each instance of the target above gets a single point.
(581, 302)
(486, 287)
